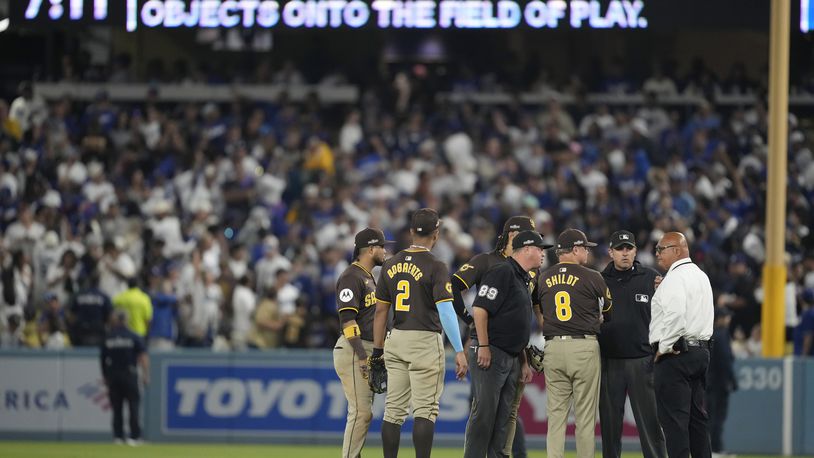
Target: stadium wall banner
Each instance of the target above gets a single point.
(333, 14)
(52, 393)
(257, 398)
(205, 397)
(295, 396)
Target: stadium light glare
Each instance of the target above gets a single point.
(4, 24)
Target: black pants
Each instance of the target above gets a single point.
(680, 382)
(493, 392)
(718, 407)
(632, 377)
(119, 389)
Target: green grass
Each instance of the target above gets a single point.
(100, 450)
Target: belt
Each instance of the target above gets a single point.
(576, 337)
(698, 343)
(688, 341)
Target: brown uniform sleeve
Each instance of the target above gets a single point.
(441, 286)
(472, 272)
(607, 305)
(349, 294)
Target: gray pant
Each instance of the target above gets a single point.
(633, 376)
(493, 392)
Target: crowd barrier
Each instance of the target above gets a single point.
(139, 92)
(290, 396)
(349, 94)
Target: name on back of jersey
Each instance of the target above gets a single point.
(406, 268)
(561, 279)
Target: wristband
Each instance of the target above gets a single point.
(377, 353)
(351, 331)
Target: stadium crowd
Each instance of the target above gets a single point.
(233, 222)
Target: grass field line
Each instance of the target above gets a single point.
(9, 449)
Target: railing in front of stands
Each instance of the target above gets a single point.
(349, 94)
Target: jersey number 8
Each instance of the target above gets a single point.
(403, 287)
(562, 300)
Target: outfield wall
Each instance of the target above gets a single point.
(295, 396)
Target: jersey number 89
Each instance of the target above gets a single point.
(562, 300)
(487, 292)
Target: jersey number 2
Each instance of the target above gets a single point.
(562, 300)
(403, 296)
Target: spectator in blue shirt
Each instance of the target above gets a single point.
(163, 330)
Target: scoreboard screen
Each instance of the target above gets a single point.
(133, 15)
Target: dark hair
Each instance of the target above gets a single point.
(17, 257)
(67, 253)
(502, 242)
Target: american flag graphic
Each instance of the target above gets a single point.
(96, 392)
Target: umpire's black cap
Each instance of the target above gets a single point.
(622, 238)
(518, 223)
(570, 238)
(369, 237)
(529, 238)
(425, 221)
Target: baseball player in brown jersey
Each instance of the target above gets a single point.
(469, 275)
(355, 297)
(574, 299)
(416, 286)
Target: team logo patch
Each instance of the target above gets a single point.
(466, 267)
(448, 286)
(642, 298)
(346, 295)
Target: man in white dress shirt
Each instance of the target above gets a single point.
(680, 332)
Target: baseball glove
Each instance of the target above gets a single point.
(534, 356)
(377, 377)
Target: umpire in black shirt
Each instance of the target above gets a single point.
(122, 350)
(502, 313)
(627, 358)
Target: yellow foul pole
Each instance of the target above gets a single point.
(774, 271)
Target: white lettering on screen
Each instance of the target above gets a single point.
(332, 14)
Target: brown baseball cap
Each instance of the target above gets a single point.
(570, 238)
(518, 223)
(369, 237)
(425, 221)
